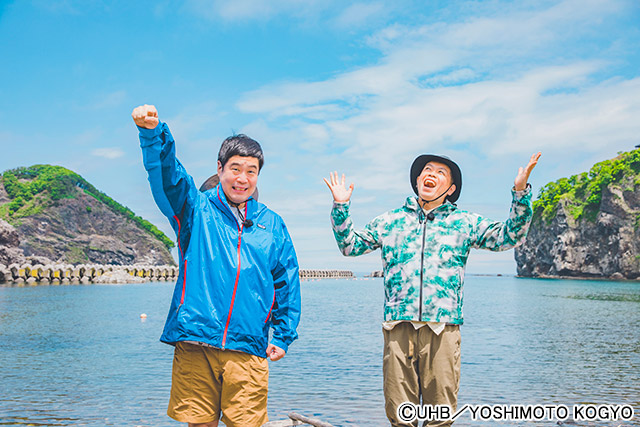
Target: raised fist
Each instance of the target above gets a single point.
(145, 116)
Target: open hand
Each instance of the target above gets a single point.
(522, 178)
(341, 194)
(145, 116)
(274, 352)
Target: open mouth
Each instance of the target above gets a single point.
(239, 189)
(429, 183)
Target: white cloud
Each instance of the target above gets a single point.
(487, 88)
(108, 153)
(358, 14)
(488, 82)
(449, 77)
(309, 14)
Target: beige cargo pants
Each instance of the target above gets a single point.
(419, 363)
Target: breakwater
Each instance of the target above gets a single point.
(326, 274)
(65, 274)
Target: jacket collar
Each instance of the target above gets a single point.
(412, 205)
(219, 199)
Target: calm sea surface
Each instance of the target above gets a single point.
(81, 355)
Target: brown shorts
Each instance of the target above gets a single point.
(207, 381)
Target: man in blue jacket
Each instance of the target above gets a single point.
(238, 278)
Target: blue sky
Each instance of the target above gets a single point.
(358, 87)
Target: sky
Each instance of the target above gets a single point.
(356, 87)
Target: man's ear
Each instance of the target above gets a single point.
(451, 190)
(219, 168)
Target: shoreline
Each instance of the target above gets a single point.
(66, 274)
(590, 278)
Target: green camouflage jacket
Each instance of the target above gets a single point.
(423, 259)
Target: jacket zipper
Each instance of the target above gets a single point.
(424, 232)
(271, 309)
(235, 286)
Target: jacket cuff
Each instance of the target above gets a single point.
(148, 136)
(280, 343)
(518, 195)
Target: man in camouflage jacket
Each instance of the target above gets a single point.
(425, 245)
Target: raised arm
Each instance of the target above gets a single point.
(498, 236)
(351, 242)
(173, 189)
(522, 178)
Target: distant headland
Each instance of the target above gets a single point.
(49, 214)
(588, 225)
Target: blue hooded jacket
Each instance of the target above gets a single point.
(235, 281)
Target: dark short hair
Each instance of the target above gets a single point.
(240, 145)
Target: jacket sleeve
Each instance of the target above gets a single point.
(286, 281)
(353, 242)
(500, 236)
(173, 189)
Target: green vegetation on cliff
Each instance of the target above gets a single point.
(33, 188)
(583, 192)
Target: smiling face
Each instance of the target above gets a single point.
(434, 180)
(239, 178)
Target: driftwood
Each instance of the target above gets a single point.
(297, 420)
(300, 420)
(572, 422)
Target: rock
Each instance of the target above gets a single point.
(377, 273)
(8, 234)
(119, 277)
(106, 250)
(35, 259)
(9, 255)
(75, 230)
(5, 274)
(605, 248)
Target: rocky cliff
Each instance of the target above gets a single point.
(587, 225)
(51, 214)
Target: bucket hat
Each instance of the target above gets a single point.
(419, 164)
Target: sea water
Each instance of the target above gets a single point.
(82, 355)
